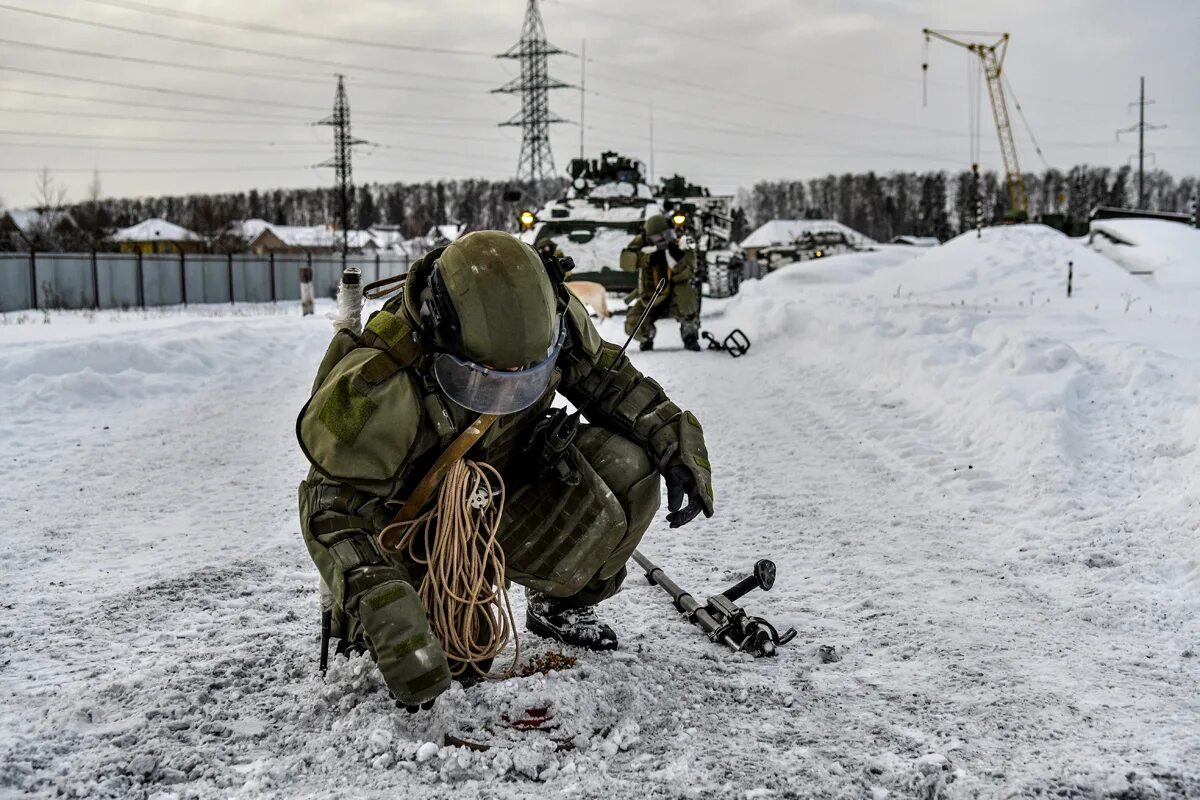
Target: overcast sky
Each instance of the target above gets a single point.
(757, 89)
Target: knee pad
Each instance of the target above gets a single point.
(408, 654)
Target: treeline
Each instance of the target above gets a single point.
(414, 208)
(937, 204)
(942, 204)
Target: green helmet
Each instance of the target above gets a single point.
(656, 225)
(659, 231)
(494, 317)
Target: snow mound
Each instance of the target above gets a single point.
(76, 363)
(979, 337)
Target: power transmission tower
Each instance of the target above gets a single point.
(536, 162)
(1141, 128)
(343, 143)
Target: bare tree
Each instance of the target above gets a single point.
(53, 222)
(48, 193)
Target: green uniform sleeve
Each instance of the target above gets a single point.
(363, 429)
(632, 257)
(685, 269)
(632, 404)
(373, 593)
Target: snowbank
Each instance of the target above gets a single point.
(979, 335)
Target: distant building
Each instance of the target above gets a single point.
(156, 235)
(785, 240)
(916, 241)
(272, 238)
(266, 237)
(25, 228)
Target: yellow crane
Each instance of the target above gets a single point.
(991, 57)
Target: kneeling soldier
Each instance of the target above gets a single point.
(483, 327)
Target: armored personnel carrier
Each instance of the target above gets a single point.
(605, 206)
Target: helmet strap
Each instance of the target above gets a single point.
(437, 312)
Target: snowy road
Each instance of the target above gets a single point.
(1010, 582)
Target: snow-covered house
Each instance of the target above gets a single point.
(782, 241)
(786, 232)
(156, 235)
(22, 228)
(915, 241)
(272, 238)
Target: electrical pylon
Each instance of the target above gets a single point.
(536, 162)
(343, 143)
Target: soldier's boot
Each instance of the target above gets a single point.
(550, 618)
(646, 344)
(689, 330)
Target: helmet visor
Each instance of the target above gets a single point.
(486, 390)
(662, 238)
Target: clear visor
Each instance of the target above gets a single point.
(662, 238)
(486, 390)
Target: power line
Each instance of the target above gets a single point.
(206, 96)
(166, 139)
(255, 27)
(236, 49)
(237, 71)
(244, 119)
(127, 118)
(140, 171)
(156, 89)
(143, 149)
(135, 104)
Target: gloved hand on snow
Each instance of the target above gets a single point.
(681, 483)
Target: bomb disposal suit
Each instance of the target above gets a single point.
(658, 253)
(484, 327)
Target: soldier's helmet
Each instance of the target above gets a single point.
(658, 230)
(493, 316)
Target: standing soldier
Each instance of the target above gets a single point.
(658, 253)
(467, 359)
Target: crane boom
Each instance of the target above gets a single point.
(992, 58)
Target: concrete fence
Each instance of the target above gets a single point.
(133, 280)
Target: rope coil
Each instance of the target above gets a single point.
(463, 589)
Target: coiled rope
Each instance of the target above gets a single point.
(463, 590)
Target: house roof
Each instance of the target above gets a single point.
(314, 235)
(786, 231)
(916, 241)
(26, 219)
(156, 230)
(249, 229)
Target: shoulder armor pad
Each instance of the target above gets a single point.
(582, 331)
(361, 422)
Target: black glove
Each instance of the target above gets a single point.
(680, 483)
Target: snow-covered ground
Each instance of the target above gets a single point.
(982, 494)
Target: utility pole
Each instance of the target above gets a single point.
(582, 92)
(536, 162)
(651, 142)
(343, 143)
(1141, 128)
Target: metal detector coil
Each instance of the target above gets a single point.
(736, 343)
